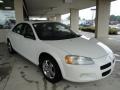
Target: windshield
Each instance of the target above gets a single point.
(53, 31)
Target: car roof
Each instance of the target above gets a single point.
(32, 22)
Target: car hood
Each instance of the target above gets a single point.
(81, 46)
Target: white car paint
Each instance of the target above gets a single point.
(100, 53)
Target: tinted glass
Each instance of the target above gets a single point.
(18, 29)
(28, 31)
(53, 31)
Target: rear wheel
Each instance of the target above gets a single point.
(51, 70)
(10, 48)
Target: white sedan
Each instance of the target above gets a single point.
(60, 52)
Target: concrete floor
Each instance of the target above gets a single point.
(17, 73)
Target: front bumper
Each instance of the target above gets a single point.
(85, 73)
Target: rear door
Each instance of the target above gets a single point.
(29, 43)
(16, 37)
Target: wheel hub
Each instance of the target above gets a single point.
(48, 69)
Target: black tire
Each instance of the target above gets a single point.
(58, 76)
(10, 48)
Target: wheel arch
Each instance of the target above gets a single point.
(55, 57)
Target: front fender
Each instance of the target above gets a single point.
(58, 56)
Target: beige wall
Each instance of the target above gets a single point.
(52, 18)
(58, 18)
(74, 20)
(102, 18)
(18, 5)
(3, 34)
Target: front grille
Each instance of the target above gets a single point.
(106, 73)
(105, 66)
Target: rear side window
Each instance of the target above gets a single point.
(18, 29)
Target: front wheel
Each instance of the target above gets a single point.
(51, 70)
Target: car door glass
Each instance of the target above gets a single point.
(18, 29)
(28, 33)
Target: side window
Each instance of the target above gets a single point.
(28, 33)
(18, 29)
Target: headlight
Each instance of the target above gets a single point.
(78, 60)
